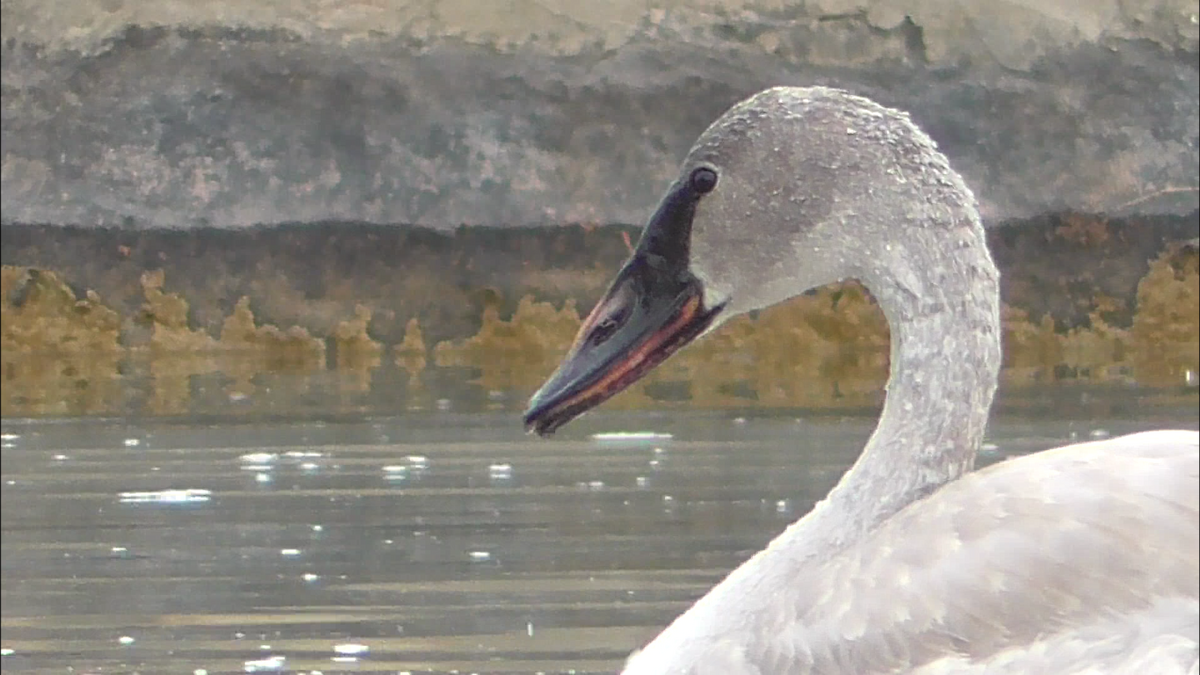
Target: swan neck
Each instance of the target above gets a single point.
(943, 312)
(945, 354)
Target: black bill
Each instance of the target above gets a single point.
(654, 307)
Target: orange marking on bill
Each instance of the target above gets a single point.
(628, 244)
(638, 356)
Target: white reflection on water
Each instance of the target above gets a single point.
(500, 472)
(168, 497)
(630, 436)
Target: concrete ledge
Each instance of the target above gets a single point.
(146, 114)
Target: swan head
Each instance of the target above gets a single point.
(789, 190)
(656, 305)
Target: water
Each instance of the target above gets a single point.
(438, 540)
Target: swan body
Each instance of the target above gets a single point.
(1081, 559)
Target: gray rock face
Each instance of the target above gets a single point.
(150, 114)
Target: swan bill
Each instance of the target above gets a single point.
(654, 306)
(647, 315)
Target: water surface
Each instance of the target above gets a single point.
(440, 539)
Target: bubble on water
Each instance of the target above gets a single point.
(418, 461)
(351, 649)
(739, 420)
(259, 457)
(1098, 434)
(395, 472)
(783, 506)
(271, 663)
(5, 651)
(479, 556)
(289, 552)
(317, 528)
(500, 471)
(642, 481)
(310, 577)
(262, 478)
(126, 640)
(10, 437)
(132, 442)
(60, 458)
(990, 450)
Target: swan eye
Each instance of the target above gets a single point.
(604, 330)
(703, 180)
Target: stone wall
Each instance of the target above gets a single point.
(142, 113)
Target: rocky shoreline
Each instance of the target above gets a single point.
(1086, 299)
